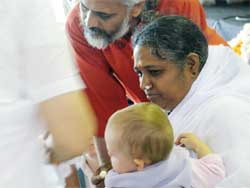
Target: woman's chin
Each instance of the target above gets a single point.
(164, 106)
(159, 103)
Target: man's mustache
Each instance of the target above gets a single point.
(98, 32)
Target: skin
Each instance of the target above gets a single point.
(190, 141)
(71, 122)
(162, 81)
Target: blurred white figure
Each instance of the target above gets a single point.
(36, 68)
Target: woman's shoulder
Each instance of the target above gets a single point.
(223, 108)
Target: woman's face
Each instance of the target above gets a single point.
(162, 81)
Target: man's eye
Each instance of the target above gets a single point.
(103, 16)
(83, 8)
(154, 72)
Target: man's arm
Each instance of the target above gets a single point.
(71, 122)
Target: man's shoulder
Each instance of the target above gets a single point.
(172, 7)
(73, 20)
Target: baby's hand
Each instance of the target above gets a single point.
(190, 141)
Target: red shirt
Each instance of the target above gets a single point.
(109, 73)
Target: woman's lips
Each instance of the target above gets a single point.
(152, 96)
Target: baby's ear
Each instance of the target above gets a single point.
(140, 164)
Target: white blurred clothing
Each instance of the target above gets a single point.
(35, 65)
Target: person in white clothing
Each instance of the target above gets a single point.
(38, 78)
(140, 144)
(205, 90)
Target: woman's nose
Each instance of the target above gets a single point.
(145, 83)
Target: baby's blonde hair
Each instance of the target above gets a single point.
(146, 132)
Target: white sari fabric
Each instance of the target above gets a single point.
(217, 109)
(175, 172)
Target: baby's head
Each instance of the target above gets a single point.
(137, 136)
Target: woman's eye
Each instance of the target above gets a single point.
(154, 72)
(139, 74)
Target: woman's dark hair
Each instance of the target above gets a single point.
(173, 38)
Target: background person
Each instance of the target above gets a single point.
(36, 67)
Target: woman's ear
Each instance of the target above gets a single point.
(137, 9)
(192, 65)
(140, 164)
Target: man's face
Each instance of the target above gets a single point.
(103, 21)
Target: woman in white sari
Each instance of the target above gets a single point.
(205, 90)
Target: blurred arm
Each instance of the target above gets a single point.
(71, 122)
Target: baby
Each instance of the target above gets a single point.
(140, 143)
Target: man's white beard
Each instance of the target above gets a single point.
(100, 42)
(96, 42)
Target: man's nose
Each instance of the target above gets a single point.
(91, 20)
